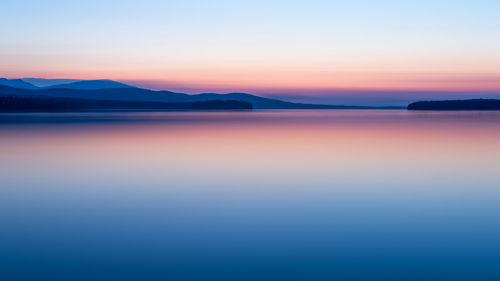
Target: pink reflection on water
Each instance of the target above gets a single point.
(263, 148)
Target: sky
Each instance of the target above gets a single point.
(356, 51)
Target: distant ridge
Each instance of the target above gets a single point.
(471, 104)
(43, 82)
(17, 83)
(92, 85)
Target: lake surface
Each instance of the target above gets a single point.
(263, 195)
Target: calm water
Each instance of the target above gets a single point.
(270, 195)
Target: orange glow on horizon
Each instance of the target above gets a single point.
(235, 80)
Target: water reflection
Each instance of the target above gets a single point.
(269, 195)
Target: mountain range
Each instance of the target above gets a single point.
(110, 90)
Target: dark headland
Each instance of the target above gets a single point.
(54, 104)
(471, 104)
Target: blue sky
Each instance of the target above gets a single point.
(271, 47)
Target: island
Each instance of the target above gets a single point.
(470, 104)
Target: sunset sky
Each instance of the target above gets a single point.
(306, 50)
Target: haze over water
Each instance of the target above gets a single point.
(262, 195)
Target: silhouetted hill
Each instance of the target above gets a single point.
(92, 85)
(472, 104)
(17, 83)
(267, 103)
(52, 104)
